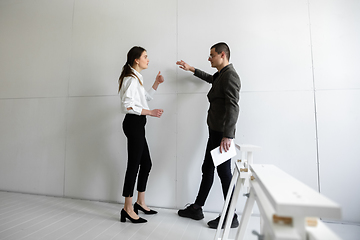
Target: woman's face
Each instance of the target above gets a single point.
(143, 61)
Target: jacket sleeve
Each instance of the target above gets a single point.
(231, 92)
(203, 75)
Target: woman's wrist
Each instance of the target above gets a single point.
(155, 85)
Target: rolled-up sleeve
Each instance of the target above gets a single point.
(150, 94)
(129, 96)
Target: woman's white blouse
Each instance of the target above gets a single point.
(133, 94)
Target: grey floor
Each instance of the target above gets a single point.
(25, 216)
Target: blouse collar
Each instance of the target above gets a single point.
(137, 74)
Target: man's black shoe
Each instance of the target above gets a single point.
(191, 212)
(214, 223)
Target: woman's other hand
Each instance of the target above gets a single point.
(156, 113)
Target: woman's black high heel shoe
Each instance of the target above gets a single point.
(137, 207)
(124, 215)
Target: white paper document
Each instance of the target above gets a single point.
(219, 158)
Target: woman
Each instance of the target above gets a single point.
(134, 99)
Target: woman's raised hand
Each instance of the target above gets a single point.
(159, 78)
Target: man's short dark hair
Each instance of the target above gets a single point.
(222, 47)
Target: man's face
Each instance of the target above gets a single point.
(215, 58)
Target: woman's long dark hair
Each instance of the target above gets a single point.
(134, 53)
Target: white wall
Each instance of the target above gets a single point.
(60, 124)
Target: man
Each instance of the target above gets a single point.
(222, 117)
